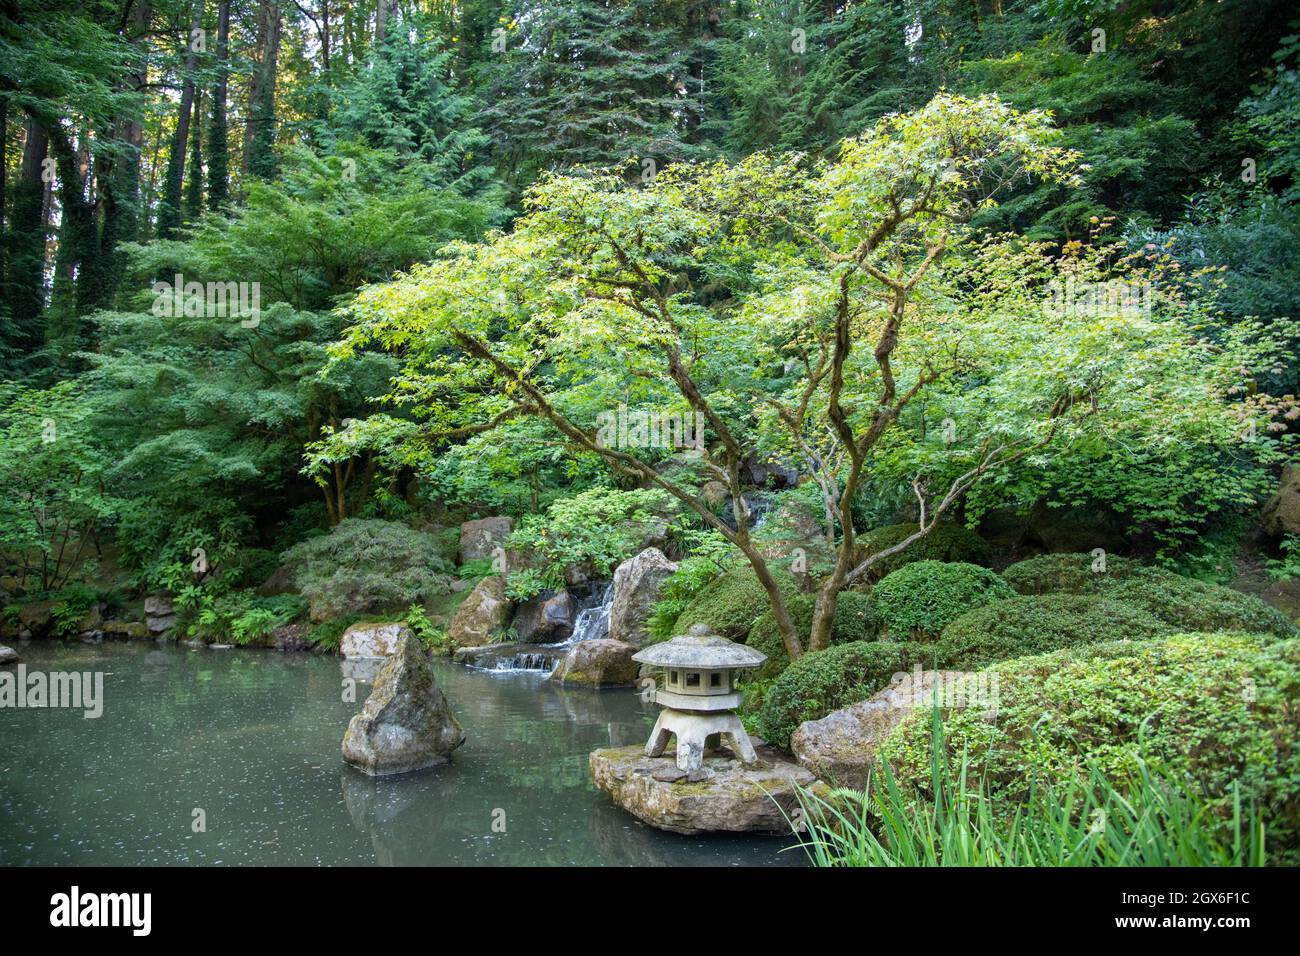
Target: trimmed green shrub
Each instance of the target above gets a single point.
(823, 681)
(917, 601)
(947, 542)
(1192, 605)
(1069, 573)
(364, 565)
(1218, 709)
(1038, 623)
(1185, 603)
(732, 602)
(852, 622)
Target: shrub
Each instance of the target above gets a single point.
(731, 603)
(852, 622)
(693, 574)
(213, 612)
(367, 564)
(595, 529)
(823, 681)
(947, 542)
(917, 601)
(1035, 624)
(1215, 709)
(1070, 573)
(1192, 605)
(1157, 820)
(426, 632)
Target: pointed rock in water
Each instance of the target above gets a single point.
(405, 724)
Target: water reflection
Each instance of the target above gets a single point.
(253, 739)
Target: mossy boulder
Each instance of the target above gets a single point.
(1218, 709)
(598, 663)
(824, 681)
(917, 601)
(946, 542)
(1038, 623)
(731, 603)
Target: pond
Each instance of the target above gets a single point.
(251, 739)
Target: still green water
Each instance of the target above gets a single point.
(252, 739)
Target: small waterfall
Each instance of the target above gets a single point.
(592, 623)
(525, 662)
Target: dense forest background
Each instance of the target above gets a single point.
(315, 146)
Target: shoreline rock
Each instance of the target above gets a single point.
(483, 615)
(369, 639)
(598, 663)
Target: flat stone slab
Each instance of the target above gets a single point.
(733, 798)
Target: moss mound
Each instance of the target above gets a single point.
(918, 601)
(1191, 605)
(852, 622)
(1219, 708)
(1066, 573)
(947, 542)
(1036, 624)
(732, 602)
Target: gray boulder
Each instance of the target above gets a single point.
(370, 639)
(405, 723)
(545, 619)
(8, 655)
(598, 663)
(483, 615)
(638, 582)
(159, 615)
(841, 747)
(478, 538)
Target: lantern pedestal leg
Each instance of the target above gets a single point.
(659, 737)
(693, 731)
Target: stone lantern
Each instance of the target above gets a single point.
(698, 695)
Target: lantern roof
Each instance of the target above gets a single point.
(701, 649)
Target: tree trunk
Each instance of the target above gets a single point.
(259, 134)
(218, 136)
(27, 238)
(325, 39)
(169, 211)
(194, 184)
